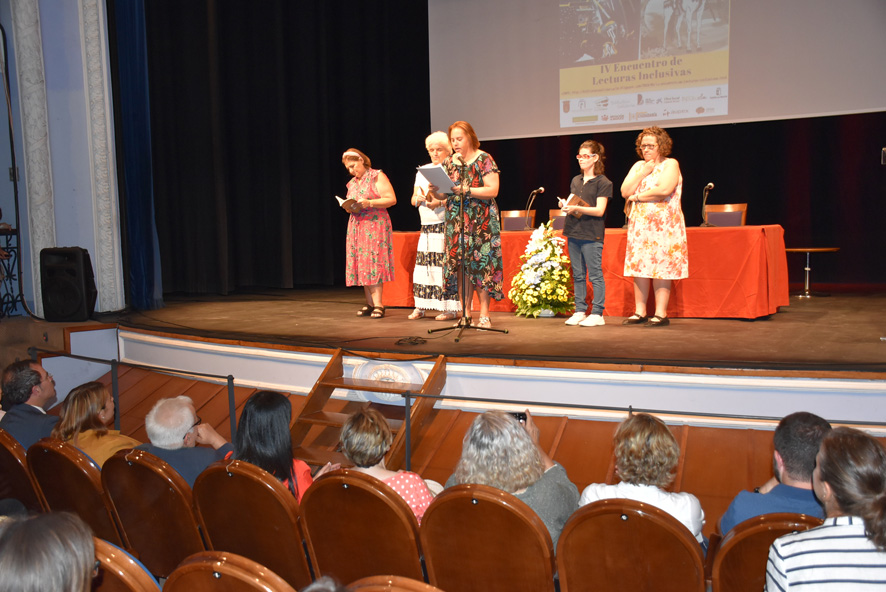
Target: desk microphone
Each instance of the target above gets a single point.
(704, 201)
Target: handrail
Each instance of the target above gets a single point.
(115, 377)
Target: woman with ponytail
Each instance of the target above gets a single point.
(847, 552)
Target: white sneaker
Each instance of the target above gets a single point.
(576, 319)
(593, 320)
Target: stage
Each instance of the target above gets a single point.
(836, 336)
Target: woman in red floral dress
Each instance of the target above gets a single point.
(370, 250)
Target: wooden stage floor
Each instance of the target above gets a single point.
(838, 335)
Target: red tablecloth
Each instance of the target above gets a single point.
(735, 272)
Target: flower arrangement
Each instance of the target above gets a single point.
(544, 281)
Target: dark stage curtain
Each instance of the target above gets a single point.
(252, 104)
(133, 124)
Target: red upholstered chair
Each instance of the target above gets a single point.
(390, 584)
(739, 563)
(155, 507)
(517, 219)
(247, 511)
(620, 544)
(70, 482)
(119, 572)
(356, 526)
(15, 479)
(480, 538)
(219, 571)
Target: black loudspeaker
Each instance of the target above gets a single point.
(68, 284)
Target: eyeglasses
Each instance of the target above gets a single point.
(583, 156)
(196, 423)
(648, 146)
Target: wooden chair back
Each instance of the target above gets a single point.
(620, 544)
(15, 480)
(476, 537)
(356, 526)
(558, 219)
(220, 571)
(119, 571)
(390, 584)
(726, 214)
(517, 219)
(155, 507)
(70, 481)
(247, 511)
(739, 563)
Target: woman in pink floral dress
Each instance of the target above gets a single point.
(656, 252)
(370, 250)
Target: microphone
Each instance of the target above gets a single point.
(458, 159)
(704, 201)
(531, 199)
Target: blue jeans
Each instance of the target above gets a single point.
(587, 262)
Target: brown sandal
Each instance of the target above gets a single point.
(377, 312)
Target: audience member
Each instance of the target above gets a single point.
(646, 455)
(325, 584)
(500, 452)
(365, 439)
(86, 413)
(27, 390)
(796, 440)
(175, 430)
(847, 552)
(46, 552)
(264, 439)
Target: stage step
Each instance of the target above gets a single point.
(314, 412)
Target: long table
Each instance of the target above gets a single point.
(734, 272)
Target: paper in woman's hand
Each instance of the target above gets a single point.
(436, 175)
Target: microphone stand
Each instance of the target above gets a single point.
(704, 211)
(464, 322)
(526, 225)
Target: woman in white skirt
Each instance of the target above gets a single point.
(427, 278)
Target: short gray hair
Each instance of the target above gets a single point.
(169, 422)
(497, 451)
(438, 139)
(19, 379)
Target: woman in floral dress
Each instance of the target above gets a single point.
(656, 252)
(476, 177)
(370, 250)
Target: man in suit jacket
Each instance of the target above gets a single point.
(27, 389)
(175, 430)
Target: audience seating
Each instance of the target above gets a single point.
(739, 563)
(356, 526)
(620, 544)
(15, 480)
(70, 482)
(480, 538)
(219, 571)
(155, 507)
(390, 584)
(119, 571)
(247, 511)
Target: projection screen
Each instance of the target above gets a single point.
(528, 68)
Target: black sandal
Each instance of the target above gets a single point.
(377, 312)
(364, 312)
(657, 321)
(635, 319)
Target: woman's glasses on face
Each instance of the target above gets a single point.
(583, 156)
(648, 146)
